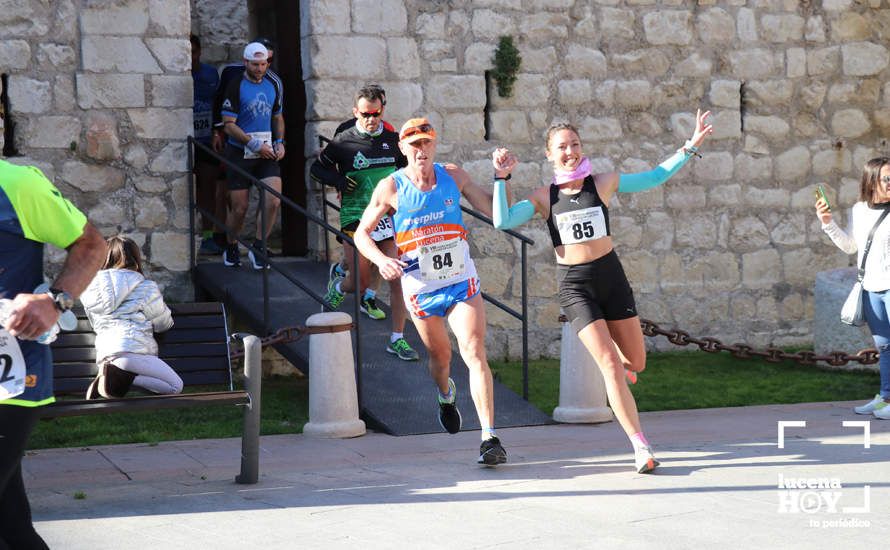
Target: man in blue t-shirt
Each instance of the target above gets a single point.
(209, 196)
(33, 212)
(254, 124)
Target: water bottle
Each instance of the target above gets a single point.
(46, 338)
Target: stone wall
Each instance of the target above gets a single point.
(101, 95)
(730, 246)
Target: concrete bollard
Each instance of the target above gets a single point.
(829, 334)
(582, 390)
(333, 400)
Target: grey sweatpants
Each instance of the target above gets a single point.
(151, 373)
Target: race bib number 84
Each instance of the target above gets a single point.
(12, 367)
(441, 261)
(581, 225)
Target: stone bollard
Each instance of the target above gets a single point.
(333, 400)
(829, 334)
(582, 390)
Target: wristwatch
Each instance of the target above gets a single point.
(62, 299)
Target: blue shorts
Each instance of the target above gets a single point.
(438, 302)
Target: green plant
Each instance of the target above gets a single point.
(80, 495)
(506, 64)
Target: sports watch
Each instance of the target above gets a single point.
(62, 299)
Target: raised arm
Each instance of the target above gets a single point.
(504, 216)
(629, 183)
(838, 236)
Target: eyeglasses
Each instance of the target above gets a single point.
(372, 114)
(422, 129)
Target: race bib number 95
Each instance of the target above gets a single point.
(383, 230)
(12, 367)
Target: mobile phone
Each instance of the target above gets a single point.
(820, 194)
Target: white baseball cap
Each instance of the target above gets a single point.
(256, 52)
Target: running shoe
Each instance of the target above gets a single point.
(369, 308)
(882, 410)
(210, 248)
(231, 256)
(869, 407)
(645, 460)
(401, 348)
(449, 416)
(491, 453)
(334, 297)
(257, 261)
(335, 271)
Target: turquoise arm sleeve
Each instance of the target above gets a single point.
(629, 183)
(508, 218)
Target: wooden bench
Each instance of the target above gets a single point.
(197, 347)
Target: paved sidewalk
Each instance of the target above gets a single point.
(566, 486)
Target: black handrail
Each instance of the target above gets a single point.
(522, 317)
(193, 207)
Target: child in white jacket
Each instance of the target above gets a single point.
(125, 310)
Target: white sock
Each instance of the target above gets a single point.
(395, 336)
(488, 433)
(370, 294)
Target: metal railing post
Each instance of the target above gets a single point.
(356, 278)
(524, 321)
(264, 258)
(250, 438)
(191, 179)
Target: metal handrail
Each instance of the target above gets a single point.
(522, 317)
(285, 201)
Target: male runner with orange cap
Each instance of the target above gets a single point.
(439, 279)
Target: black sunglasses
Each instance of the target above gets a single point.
(372, 114)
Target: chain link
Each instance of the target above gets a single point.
(867, 356)
(774, 355)
(288, 335)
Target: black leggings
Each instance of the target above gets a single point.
(16, 529)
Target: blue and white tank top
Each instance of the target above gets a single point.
(430, 234)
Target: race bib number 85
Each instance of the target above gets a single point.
(441, 261)
(581, 225)
(12, 367)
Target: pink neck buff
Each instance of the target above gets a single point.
(580, 172)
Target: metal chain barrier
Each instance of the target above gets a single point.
(293, 334)
(773, 355)
(678, 337)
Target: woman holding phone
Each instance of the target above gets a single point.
(874, 200)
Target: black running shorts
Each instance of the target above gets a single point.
(258, 168)
(595, 290)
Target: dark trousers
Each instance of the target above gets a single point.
(16, 530)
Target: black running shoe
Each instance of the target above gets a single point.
(491, 453)
(232, 256)
(449, 416)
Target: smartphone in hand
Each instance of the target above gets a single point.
(820, 194)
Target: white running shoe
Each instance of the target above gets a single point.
(869, 407)
(882, 410)
(645, 460)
